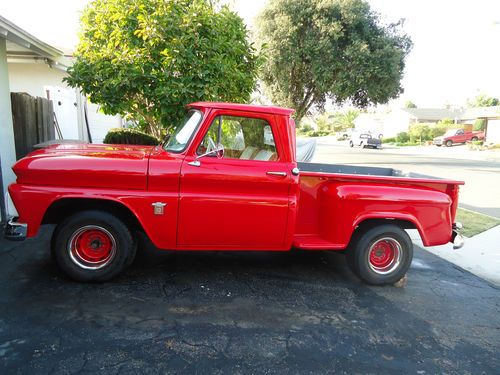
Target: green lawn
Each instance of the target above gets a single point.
(474, 222)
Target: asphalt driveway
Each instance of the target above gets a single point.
(246, 313)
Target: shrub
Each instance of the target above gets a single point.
(479, 124)
(402, 137)
(419, 133)
(129, 137)
(389, 140)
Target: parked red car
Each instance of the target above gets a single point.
(453, 136)
(226, 179)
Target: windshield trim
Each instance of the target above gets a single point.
(195, 130)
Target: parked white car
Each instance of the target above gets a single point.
(364, 140)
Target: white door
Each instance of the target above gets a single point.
(66, 110)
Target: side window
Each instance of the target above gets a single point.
(460, 132)
(243, 138)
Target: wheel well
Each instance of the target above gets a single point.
(371, 223)
(62, 208)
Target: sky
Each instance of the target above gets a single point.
(456, 52)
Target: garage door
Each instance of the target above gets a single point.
(493, 133)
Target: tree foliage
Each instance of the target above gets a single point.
(345, 119)
(410, 104)
(146, 59)
(483, 100)
(330, 49)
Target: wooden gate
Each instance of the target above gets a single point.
(33, 119)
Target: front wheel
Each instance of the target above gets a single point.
(381, 255)
(351, 144)
(449, 143)
(93, 246)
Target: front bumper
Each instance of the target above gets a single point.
(15, 231)
(456, 237)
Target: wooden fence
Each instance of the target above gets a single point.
(33, 119)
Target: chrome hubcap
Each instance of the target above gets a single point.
(92, 247)
(385, 255)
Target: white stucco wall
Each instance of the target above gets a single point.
(7, 148)
(100, 123)
(395, 122)
(32, 78)
(493, 134)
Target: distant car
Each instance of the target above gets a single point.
(453, 136)
(365, 140)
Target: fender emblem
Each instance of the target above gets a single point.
(158, 208)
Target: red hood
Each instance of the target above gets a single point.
(86, 165)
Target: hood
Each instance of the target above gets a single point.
(86, 165)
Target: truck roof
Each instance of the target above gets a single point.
(244, 107)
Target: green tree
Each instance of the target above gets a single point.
(345, 120)
(329, 49)
(410, 104)
(483, 100)
(146, 59)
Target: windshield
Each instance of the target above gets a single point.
(183, 132)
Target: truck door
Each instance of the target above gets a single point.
(238, 200)
(460, 137)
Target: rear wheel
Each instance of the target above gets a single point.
(449, 143)
(474, 139)
(381, 255)
(93, 246)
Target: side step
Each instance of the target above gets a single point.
(314, 242)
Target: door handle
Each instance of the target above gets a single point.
(282, 174)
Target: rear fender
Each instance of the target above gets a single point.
(346, 205)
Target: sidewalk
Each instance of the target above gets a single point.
(480, 255)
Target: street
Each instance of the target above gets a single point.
(482, 177)
(243, 313)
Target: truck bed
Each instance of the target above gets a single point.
(344, 169)
(334, 199)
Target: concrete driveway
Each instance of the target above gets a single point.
(246, 313)
(481, 176)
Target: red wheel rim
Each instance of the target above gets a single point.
(92, 247)
(385, 255)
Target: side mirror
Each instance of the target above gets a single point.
(218, 151)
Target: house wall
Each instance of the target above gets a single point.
(396, 122)
(100, 123)
(493, 131)
(32, 78)
(7, 148)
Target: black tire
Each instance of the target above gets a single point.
(449, 143)
(438, 145)
(107, 233)
(474, 139)
(362, 244)
(351, 144)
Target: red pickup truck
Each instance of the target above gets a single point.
(226, 179)
(453, 136)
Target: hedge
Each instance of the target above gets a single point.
(125, 136)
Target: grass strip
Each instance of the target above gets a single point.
(474, 222)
